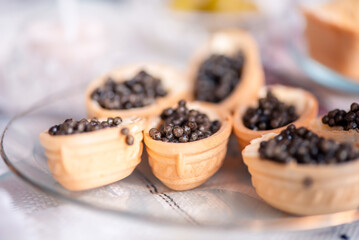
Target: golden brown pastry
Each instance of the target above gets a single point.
(86, 160)
(230, 43)
(333, 36)
(186, 165)
(305, 103)
(325, 184)
(339, 124)
(173, 82)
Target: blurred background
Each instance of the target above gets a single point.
(47, 46)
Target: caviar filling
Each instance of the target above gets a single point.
(129, 138)
(305, 147)
(218, 76)
(180, 125)
(270, 114)
(70, 126)
(347, 120)
(140, 91)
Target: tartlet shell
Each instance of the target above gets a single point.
(182, 166)
(173, 81)
(89, 160)
(306, 105)
(336, 132)
(332, 44)
(229, 42)
(334, 187)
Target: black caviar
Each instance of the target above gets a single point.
(129, 138)
(180, 125)
(218, 76)
(270, 114)
(140, 91)
(70, 126)
(347, 120)
(125, 131)
(305, 147)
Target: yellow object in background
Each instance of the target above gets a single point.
(214, 5)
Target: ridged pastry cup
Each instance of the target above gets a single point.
(183, 166)
(229, 42)
(303, 189)
(333, 38)
(93, 159)
(305, 103)
(173, 81)
(336, 132)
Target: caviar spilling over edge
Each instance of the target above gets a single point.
(182, 125)
(305, 147)
(347, 120)
(70, 126)
(129, 138)
(140, 91)
(270, 114)
(218, 76)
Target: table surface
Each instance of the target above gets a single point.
(41, 216)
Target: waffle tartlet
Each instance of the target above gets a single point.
(303, 189)
(336, 132)
(183, 166)
(305, 103)
(333, 35)
(229, 42)
(174, 82)
(92, 159)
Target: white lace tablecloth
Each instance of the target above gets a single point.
(27, 213)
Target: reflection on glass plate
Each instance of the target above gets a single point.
(226, 201)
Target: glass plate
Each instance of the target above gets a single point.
(226, 201)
